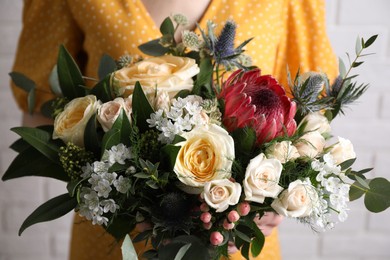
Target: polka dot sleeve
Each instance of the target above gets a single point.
(304, 44)
(46, 25)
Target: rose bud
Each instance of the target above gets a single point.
(207, 226)
(205, 217)
(204, 207)
(228, 225)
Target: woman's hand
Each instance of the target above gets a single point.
(266, 224)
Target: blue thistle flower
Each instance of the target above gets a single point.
(224, 47)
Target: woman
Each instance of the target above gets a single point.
(287, 32)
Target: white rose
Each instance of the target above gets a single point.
(69, 125)
(206, 155)
(219, 194)
(261, 179)
(316, 122)
(160, 100)
(310, 144)
(296, 201)
(283, 151)
(169, 73)
(109, 112)
(342, 151)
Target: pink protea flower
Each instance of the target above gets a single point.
(258, 102)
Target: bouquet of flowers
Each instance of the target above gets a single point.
(194, 143)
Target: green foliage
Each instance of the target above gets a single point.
(150, 146)
(128, 250)
(102, 90)
(73, 158)
(203, 83)
(92, 139)
(40, 140)
(27, 85)
(153, 48)
(119, 133)
(141, 108)
(377, 198)
(120, 226)
(52, 209)
(69, 75)
(107, 65)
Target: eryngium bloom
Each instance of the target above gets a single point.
(259, 102)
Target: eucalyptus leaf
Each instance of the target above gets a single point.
(358, 46)
(69, 75)
(346, 164)
(342, 69)
(356, 191)
(362, 182)
(52, 209)
(377, 199)
(128, 250)
(167, 27)
(31, 162)
(22, 81)
(153, 48)
(40, 140)
(107, 65)
(54, 82)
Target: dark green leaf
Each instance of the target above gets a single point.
(31, 101)
(377, 199)
(22, 81)
(40, 140)
(197, 250)
(169, 154)
(245, 139)
(52, 209)
(142, 175)
(47, 108)
(31, 162)
(362, 182)
(119, 133)
(141, 108)
(91, 139)
(348, 163)
(107, 65)
(167, 27)
(69, 75)
(102, 90)
(153, 48)
(19, 145)
(183, 93)
(370, 41)
(72, 186)
(356, 191)
(242, 235)
(116, 167)
(357, 64)
(204, 78)
(121, 226)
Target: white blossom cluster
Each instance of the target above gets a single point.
(334, 193)
(95, 200)
(183, 115)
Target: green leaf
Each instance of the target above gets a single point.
(52, 209)
(167, 27)
(348, 163)
(183, 93)
(153, 48)
(107, 65)
(342, 69)
(204, 78)
(362, 182)
(119, 133)
(356, 191)
(242, 235)
(19, 145)
(31, 101)
(31, 162)
(245, 139)
(22, 81)
(357, 64)
(54, 82)
(69, 75)
(72, 186)
(358, 46)
(102, 90)
(370, 41)
(377, 199)
(91, 139)
(197, 250)
(40, 140)
(47, 109)
(120, 227)
(141, 108)
(182, 251)
(128, 250)
(168, 155)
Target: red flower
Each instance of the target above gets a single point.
(258, 102)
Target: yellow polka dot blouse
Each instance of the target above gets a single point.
(286, 32)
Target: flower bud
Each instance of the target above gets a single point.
(216, 238)
(228, 225)
(243, 208)
(233, 216)
(204, 207)
(205, 217)
(207, 226)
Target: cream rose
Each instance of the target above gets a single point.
(261, 179)
(342, 151)
(69, 125)
(169, 73)
(160, 100)
(316, 122)
(206, 155)
(296, 201)
(283, 151)
(219, 194)
(109, 112)
(310, 144)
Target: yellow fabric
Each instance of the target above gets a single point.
(287, 32)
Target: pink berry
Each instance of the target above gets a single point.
(204, 207)
(205, 217)
(243, 208)
(233, 216)
(228, 225)
(216, 238)
(207, 226)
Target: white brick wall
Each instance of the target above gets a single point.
(364, 236)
